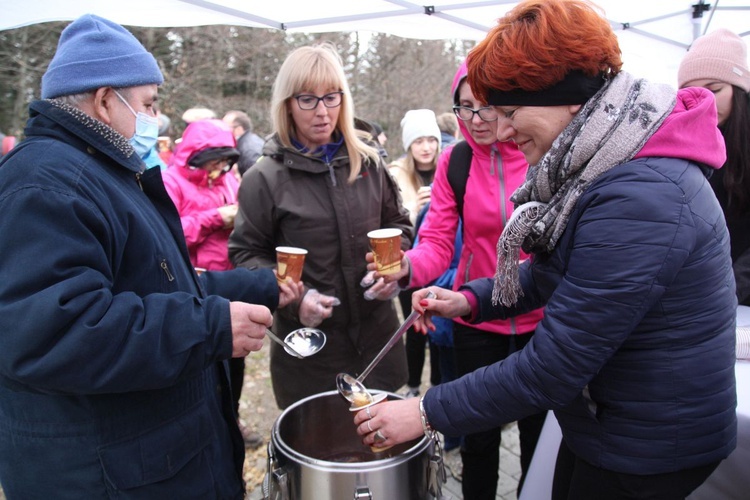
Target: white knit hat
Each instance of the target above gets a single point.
(419, 123)
(720, 55)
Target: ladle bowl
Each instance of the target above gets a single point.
(352, 389)
(302, 342)
(305, 341)
(355, 392)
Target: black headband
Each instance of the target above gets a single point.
(575, 88)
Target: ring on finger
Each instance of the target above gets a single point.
(368, 412)
(379, 437)
(368, 426)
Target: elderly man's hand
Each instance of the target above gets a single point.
(249, 323)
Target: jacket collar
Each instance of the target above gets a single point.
(326, 152)
(297, 160)
(79, 129)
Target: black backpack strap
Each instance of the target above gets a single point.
(458, 172)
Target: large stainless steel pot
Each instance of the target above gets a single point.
(315, 453)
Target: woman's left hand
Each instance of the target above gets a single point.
(289, 291)
(396, 421)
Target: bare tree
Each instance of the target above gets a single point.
(404, 74)
(24, 56)
(232, 67)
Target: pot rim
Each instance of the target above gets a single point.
(278, 442)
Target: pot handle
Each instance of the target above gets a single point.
(362, 493)
(276, 480)
(436, 475)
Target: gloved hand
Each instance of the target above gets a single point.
(315, 307)
(378, 289)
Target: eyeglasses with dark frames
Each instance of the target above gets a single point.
(307, 102)
(466, 113)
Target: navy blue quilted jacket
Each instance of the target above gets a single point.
(112, 367)
(636, 350)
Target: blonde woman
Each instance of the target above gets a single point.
(321, 185)
(414, 172)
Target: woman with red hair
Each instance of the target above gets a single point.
(629, 255)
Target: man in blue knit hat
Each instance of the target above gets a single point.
(113, 379)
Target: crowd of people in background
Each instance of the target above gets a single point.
(159, 259)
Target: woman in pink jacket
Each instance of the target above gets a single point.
(204, 195)
(497, 169)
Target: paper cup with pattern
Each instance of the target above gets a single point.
(289, 263)
(386, 247)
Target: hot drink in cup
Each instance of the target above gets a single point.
(289, 261)
(386, 247)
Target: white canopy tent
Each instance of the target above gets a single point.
(654, 34)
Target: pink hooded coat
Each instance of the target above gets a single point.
(496, 171)
(197, 197)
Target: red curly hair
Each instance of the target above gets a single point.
(537, 43)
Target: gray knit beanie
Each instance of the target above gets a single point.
(720, 55)
(94, 52)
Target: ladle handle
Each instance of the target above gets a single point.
(282, 343)
(396, 337)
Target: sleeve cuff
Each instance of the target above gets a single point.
(473, 303)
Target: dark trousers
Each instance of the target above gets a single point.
(415, 349)
(579, 480)
(236, 379)
(480, 452)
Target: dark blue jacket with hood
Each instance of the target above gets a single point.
(112, 367)
(636, 350)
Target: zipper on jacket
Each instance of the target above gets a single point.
(496, 164)
(496, 160)
(138, 180)
(468, 267)
(332, 174)
(165, 268)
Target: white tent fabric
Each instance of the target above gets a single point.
(654, 34)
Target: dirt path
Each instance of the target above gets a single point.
(258, 411)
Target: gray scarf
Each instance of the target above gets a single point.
(608, 130)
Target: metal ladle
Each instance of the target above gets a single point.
(302, 342)
(352, 388)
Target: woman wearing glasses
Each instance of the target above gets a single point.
(497, 169)
(321, 185)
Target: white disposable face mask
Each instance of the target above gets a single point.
(146, 130)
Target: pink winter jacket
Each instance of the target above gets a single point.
(496, 171)
(197, 197)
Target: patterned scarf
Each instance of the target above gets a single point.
(608, 130)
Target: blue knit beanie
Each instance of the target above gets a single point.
(93, 53)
